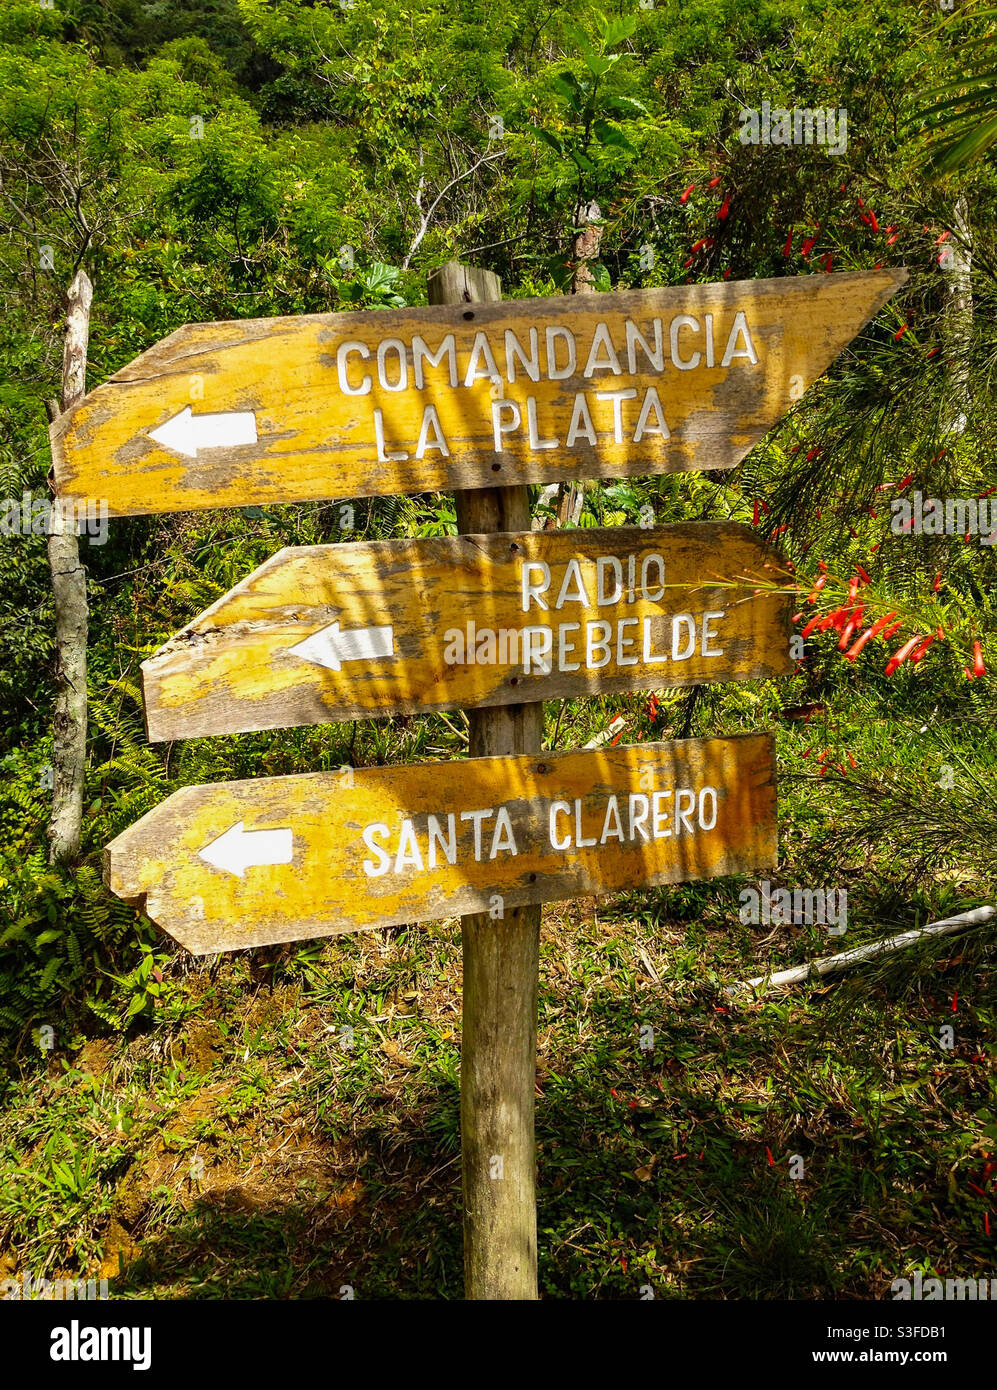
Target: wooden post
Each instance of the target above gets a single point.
(501, 964)
(69, 586)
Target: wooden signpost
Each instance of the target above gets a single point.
(457, 397)
(249, 863)
(348, 631)
(482, 398)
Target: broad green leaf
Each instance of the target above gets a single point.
(597, 66)
(600, 277)
(549, 138)
(628, 107)
(618, 30)
(968, 148)
(609, 133)
(569, 87)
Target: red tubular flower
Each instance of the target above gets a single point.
(827, 262)
(787, 250)
(978, 667)
(891, 239)
(724, 209)
(870, 632)
(687, 264)
(862, 575)
(900, 656)
(851, 655)
(905, 482)
(888, 632)
(841, 617)
(754, 514)
(726, 275)
(873, 221)
(944, 237)
(814, 453)
(900, 333)
(916, 655)
(698, 245)
(934, 352)
(686, 194)
(846, 633)
(813, 623)
(808, 246)
(938, 581)
(713, 182)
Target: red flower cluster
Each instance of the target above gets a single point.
(848, 620)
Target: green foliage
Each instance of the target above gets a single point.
(226, 159)
(961, 115)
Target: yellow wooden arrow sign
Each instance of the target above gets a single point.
(324, 633)
(285, 858)
(457, 397)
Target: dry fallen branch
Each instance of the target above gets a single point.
(829, 965)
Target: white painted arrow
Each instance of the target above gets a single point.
(330, 647)
(186, 433)
(239, 849)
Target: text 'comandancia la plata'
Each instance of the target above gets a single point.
(424, 843)
(683, 343)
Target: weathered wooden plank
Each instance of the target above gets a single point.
(457, 396)
(247, 863)
(324, 633)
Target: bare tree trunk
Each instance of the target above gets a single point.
(69, 724)
(957, 266)
(588, 243)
